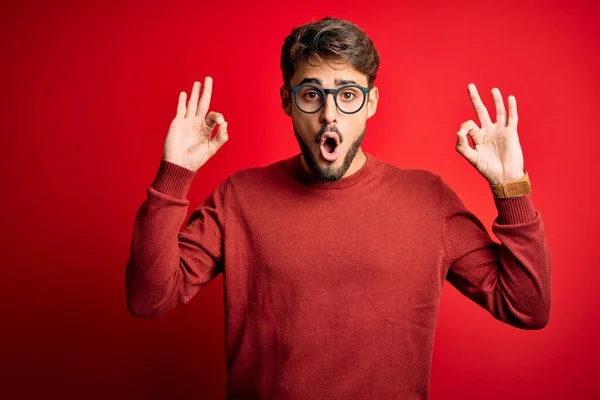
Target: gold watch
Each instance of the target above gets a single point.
(512, 189)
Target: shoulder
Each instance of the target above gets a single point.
(416, 188)
(409, 177)
(259, 176)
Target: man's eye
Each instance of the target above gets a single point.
(347, 95)
(312, 95)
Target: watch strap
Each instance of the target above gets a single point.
(512, 189)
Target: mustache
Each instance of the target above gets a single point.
(326, 128)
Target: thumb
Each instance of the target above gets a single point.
(464, 148)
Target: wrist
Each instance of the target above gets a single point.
(173, 179)
(513, 188)
(513, 177)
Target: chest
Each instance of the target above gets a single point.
(327, 245)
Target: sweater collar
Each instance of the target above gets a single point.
(310, 180)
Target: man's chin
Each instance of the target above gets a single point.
(326, 170)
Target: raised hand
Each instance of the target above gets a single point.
(188, 141)
(497, 154)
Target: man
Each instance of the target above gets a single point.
(333, 261)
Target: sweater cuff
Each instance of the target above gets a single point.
(515, 210)
(173, 179)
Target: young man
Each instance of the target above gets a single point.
(333, 261)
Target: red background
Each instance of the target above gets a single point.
(89, 89)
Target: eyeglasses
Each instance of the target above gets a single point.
(310, 98)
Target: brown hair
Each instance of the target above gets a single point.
(330, 40)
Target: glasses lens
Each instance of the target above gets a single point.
(309, 99)
(350, 99)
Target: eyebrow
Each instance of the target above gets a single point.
(338, 82)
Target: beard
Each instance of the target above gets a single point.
(328, 173)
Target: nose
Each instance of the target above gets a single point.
(329, 110)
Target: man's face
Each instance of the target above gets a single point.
(329, 139)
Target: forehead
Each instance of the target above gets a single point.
(328, 73)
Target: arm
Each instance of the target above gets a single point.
(167, 267)
(511, 279)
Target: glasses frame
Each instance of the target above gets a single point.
(334, 92)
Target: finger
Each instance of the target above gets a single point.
(513, 117)
(500, 110)
(464, 148)
(191, 107)
(213, 119)
(472, 129)
(480, 110)
(469, 127)
(181, 105)
(220, 139)
(205, 99)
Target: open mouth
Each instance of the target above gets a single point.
(329, 146)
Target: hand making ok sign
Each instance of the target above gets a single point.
(188, 141)
(497, 154)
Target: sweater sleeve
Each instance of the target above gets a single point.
(167, 267)
(510, 279)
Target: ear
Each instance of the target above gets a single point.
(372, 101)
(286, 101)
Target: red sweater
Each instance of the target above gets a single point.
(332, 288)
